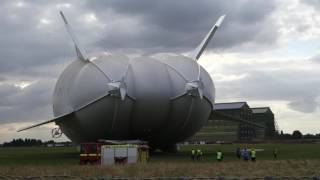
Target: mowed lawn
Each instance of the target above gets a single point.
(70, 155)
(293, 160)
(38, 156)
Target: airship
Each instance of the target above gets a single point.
(161, 98)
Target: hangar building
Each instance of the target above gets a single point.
(265, 117)
(223, 129)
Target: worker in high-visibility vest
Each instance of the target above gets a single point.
(193, 154)
(219, 155)
(275, 153)
(143, 156)
(199, 154)
(253, 154)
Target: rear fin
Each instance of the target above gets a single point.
(56, 120)
(63, 117)
(202, 46)
(79, 50)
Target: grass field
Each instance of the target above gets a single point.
(294, 159)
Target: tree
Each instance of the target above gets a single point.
(296, 134)
(20, 142)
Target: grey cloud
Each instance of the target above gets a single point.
(299, 87)
(315, 58)
(38, 94)
(30, 103)
(313, 3)
(160, 26)
(7, 89)
(25, 44)
(304, 104)
(173, 25)
(2, 78)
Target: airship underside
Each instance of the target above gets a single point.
(161, 98)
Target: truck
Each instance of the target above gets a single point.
(91, 152)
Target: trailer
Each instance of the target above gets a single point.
(124, 154)
(107, 152)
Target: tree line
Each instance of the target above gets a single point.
(296, 135)
(37, 142)
(29, 142)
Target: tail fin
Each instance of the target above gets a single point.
(202, 46)
(79, 50)
(56, 120)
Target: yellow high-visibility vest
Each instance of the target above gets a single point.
(198, 151)
(219, 155)
(253, 153)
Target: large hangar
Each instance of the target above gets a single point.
(224, 129)
(265, 117)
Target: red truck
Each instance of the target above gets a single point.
(90, 153)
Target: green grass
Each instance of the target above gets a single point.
(294, 160)
(70, 155)
(38, 156)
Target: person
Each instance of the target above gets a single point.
(219, 155)
(275, 153)
(245, 154)
(193, 154)
(238, 153)
(199, 154)
(253, 154)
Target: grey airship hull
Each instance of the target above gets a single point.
(157, 107)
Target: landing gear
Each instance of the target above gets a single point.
(172, 148)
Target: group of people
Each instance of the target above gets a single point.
(245, 154)
(196, 154)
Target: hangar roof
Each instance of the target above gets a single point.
(232, 105)
(260, 110)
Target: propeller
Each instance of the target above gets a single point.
(195, 88)
(117, 88)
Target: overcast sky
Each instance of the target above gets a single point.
(265, 53)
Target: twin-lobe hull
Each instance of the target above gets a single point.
(157, 106)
